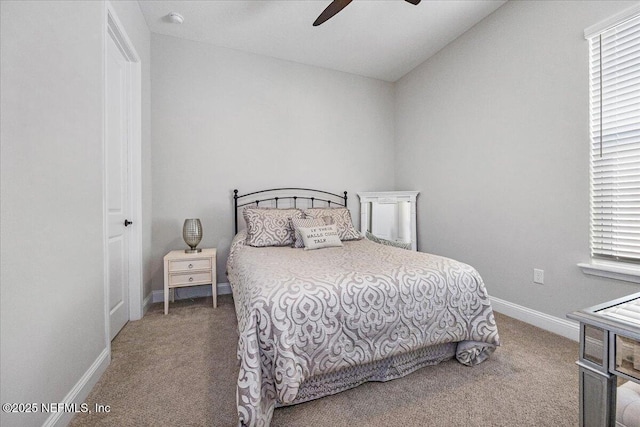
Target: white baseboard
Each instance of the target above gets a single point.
(148, 300)
(193, 292)
(566, 328)
(80, 391)
(224, 288)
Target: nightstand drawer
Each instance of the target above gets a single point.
(192, 264)
(186, 278)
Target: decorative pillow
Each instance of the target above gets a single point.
(386, 242)
(341, 217)
(325, 236)
(308, 222)
(270, 227)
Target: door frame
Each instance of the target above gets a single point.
(114, 29)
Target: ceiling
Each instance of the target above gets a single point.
(383, 39)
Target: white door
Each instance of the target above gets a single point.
(118, 110)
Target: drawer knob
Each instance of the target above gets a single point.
(191, 279)
(190, 265)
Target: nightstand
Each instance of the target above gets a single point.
(183, 269)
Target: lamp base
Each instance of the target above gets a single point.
(192, 251)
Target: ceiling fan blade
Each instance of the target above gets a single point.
(414, 2)
(334, 7)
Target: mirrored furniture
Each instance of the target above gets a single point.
(609, 363)
(390, 215)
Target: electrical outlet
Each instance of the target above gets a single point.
(538, 276)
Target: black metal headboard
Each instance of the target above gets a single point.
(290, 194)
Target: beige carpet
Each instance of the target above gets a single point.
(181, 369)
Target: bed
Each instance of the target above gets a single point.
(316, 322)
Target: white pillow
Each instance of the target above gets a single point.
(325, 236)
(341, 217)
(296, 223)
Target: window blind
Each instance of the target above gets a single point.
(615, 141)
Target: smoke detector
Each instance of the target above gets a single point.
(175, 18)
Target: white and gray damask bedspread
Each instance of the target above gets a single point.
(307, 313)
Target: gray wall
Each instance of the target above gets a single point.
(51, 172)
(224, 119)
(493, 130)
(52, 286)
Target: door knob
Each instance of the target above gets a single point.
(127, 222)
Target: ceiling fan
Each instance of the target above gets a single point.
(336, 6)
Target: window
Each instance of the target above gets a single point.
(615, 140)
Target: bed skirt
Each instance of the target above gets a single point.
(384, 370)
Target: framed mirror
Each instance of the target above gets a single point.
(390, 215)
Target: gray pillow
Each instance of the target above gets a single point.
(270, 227)
(341, 217)
(386, 242)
